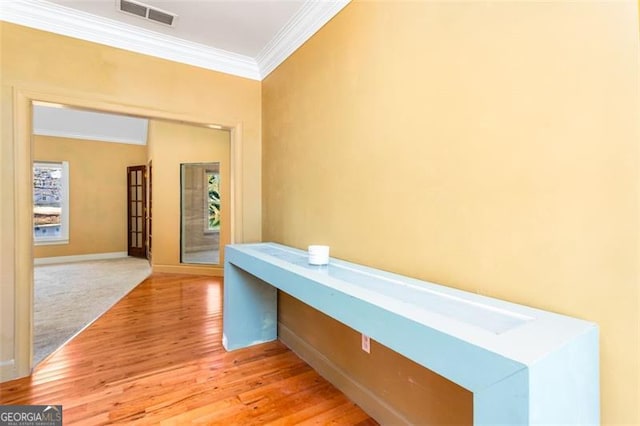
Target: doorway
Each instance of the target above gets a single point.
(200, 213)
(191, 197)
(23, 280)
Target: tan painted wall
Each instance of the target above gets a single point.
(422, 396)
(171, 144)
(98, 193)
(492, 147)
(34, 61)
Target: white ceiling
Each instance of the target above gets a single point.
(248, 38)
(64, 122)
(241, 26)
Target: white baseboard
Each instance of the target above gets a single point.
(79, 258)
(382, 412)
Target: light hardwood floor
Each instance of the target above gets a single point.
(156, 358)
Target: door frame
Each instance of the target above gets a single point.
(149, 213)
(23, 98)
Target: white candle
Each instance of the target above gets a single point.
(318, 255)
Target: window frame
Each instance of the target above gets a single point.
(64, 206)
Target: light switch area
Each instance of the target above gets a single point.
(366, 344)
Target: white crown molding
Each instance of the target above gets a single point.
(311, 16)
(43, 15)
(62, 20)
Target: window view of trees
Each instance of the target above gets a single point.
(47, 200)
(213, 181)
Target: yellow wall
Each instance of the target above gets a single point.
(171, 144)
(98, 193)
(492, 147)
(33, 61)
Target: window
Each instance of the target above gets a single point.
(213, 200)
(50, 202)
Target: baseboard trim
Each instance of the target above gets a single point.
(79, 258)
(208, 271)
(382, 412)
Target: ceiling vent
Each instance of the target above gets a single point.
(147, 12)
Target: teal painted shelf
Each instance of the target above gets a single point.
(523, 365)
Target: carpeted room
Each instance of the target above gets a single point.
(80, 223)
(70, 296)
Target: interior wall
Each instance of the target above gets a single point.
(172, 144)
(98, 193)
(488, 146)
(33, 61)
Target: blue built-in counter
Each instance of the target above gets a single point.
(523, 365)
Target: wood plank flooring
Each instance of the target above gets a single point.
(156, 358)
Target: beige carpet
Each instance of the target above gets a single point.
(70, 296)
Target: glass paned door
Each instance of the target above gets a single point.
(136, 205)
